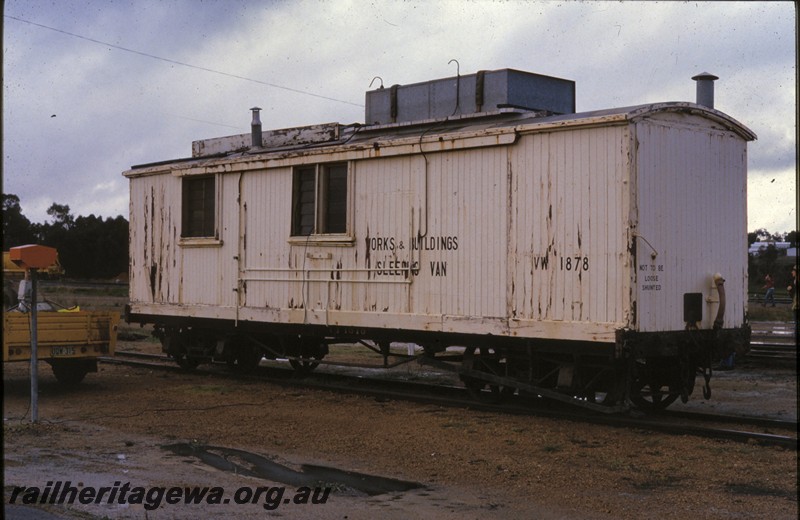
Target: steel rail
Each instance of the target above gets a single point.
(762, 422)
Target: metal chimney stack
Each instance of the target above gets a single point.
(255, 129)
(705, 89)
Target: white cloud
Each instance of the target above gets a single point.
(774, 197)
(103, 187)
(115, 108)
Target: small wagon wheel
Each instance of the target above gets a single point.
(185, 361)
(488, 360)
(247, 358)
(304, 365)
(308, 352)
(649, 391)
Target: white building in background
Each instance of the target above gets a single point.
(757, 248)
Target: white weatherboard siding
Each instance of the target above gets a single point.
(154, 249)
(460, 259)
(692, 210)
(569, 227)
(526, 230)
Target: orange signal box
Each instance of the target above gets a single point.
(33, 256)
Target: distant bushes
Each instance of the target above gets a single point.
(88, 247)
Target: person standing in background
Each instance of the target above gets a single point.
(769, 285)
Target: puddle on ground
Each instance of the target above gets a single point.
(249, 464)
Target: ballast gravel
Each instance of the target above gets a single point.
(112, 429)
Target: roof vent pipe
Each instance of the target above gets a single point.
(255, 129)
(705, 89)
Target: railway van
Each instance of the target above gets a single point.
(596, 258)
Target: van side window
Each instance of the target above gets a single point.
(319, 200)
(197, 210)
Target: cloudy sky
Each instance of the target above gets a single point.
(92, 87)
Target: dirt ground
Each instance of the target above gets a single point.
(112, 430)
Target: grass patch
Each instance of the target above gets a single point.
(56, 288)
(108, 297)
(755, 312)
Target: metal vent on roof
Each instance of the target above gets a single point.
(485, 91)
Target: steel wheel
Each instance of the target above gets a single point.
(483, 359)
(185, 362)
(247, 359)
(651, 388)
(306, 352)
(305, 365)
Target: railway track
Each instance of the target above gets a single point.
(773, 342)
(758, 299)
(741, 429)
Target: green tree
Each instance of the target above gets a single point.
(54, 234)
(760, 235)
(88, 247)
(767, 261)
(94, 248)
(17, 229)
(62, 218)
